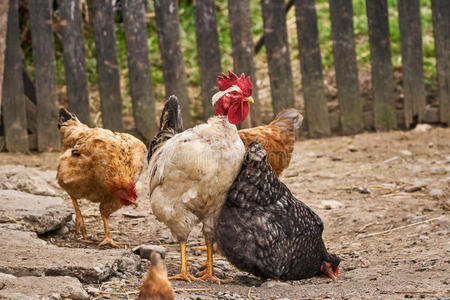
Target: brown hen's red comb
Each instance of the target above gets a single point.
(243, 83)
(132, 187)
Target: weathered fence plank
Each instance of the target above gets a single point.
(277, 49)
(208, 51)
(382, 76)
(242, 48)
(3, 25)
(441, 22)
(45, 74)
(412, 61)
(172, 58)
(317, 119)
(74, 58)
(13, 103)
(108, 69)
(346, 66)
(141, 85)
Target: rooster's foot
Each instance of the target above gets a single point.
(184, 276)
(204, 275)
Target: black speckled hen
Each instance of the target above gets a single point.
(264, 230)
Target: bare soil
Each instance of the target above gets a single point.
(384, 200)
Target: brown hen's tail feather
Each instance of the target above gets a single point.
(288, 119)
(64, 116)
(170, 124)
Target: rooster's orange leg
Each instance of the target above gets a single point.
(184, 275)
(208, 273)
(79, 221)
(107, 239)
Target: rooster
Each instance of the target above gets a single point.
(263, 229)
(192, 171)
(156, 286)
(277, 138)
(99, 165)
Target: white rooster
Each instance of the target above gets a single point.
(193, 170)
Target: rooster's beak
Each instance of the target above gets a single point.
(249, 99)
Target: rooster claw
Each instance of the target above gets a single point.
(206, 276)
(184, 276)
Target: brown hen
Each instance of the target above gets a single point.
(156, 286)
(277, 138)
(99, 165)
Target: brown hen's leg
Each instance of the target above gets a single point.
(79, 221)
(184, 275)
(208, 273)
(107, 239)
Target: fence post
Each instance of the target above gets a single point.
(45, 74)
(141, 85)
(13, 110)
(243, 50)
(382, 76)
(346, 66)
(3, 25)
(74, 59)
(208, 51)
(318, 122)
(108, 69)
(172, 57)
(441, 24)
(412, 60)
(277, 49)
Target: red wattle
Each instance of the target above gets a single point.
(238, 112)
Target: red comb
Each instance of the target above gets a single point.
(243, 83)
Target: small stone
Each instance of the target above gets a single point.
(414, 188)
(421, 128)
(330, 204)
(436, 192)
(406, 152)
(272, 283)
(63, 230)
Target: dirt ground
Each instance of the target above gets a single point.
(384, 200)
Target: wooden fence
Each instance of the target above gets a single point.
(29, 114)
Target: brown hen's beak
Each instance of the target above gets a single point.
(133, 202)
(249, 99)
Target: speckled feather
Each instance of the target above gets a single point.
(263, 229)
(96, 162)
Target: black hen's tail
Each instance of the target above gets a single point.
(64, 116)
(170, 124)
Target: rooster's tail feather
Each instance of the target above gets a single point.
(64, 116)
(170, 124)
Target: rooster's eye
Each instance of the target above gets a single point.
(234, 93)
